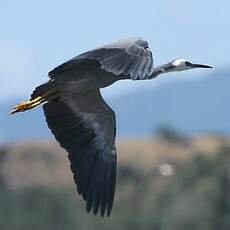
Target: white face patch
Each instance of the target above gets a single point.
(180, 64)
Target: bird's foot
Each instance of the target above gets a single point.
(26, 105)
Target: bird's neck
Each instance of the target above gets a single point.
(161, 69)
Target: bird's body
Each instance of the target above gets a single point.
(80, 119)
(86, 77)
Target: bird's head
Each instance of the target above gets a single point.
(183, 64)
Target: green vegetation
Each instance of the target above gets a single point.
(171, 135)
(195, 197)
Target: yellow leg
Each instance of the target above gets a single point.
(26, 105)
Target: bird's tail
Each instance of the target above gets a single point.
(42, 93)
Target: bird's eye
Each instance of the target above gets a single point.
(187, 63)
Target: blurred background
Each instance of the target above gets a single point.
(173, 132)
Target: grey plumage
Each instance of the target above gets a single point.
(80, 119)
(83, 123)
(130, 58)
(85, 126)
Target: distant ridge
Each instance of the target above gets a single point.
(192, 107)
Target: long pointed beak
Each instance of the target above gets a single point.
(201, 66)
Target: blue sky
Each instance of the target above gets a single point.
(38, 35)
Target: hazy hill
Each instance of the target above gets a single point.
(32, 163)
(190, 106)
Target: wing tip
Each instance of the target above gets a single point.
(98, 211)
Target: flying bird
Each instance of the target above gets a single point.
(80, 119)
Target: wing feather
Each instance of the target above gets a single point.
(84, 125)
(125, 57)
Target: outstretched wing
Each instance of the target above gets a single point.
(131, 57)
(84, 125)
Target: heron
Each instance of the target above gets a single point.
(83, 123)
